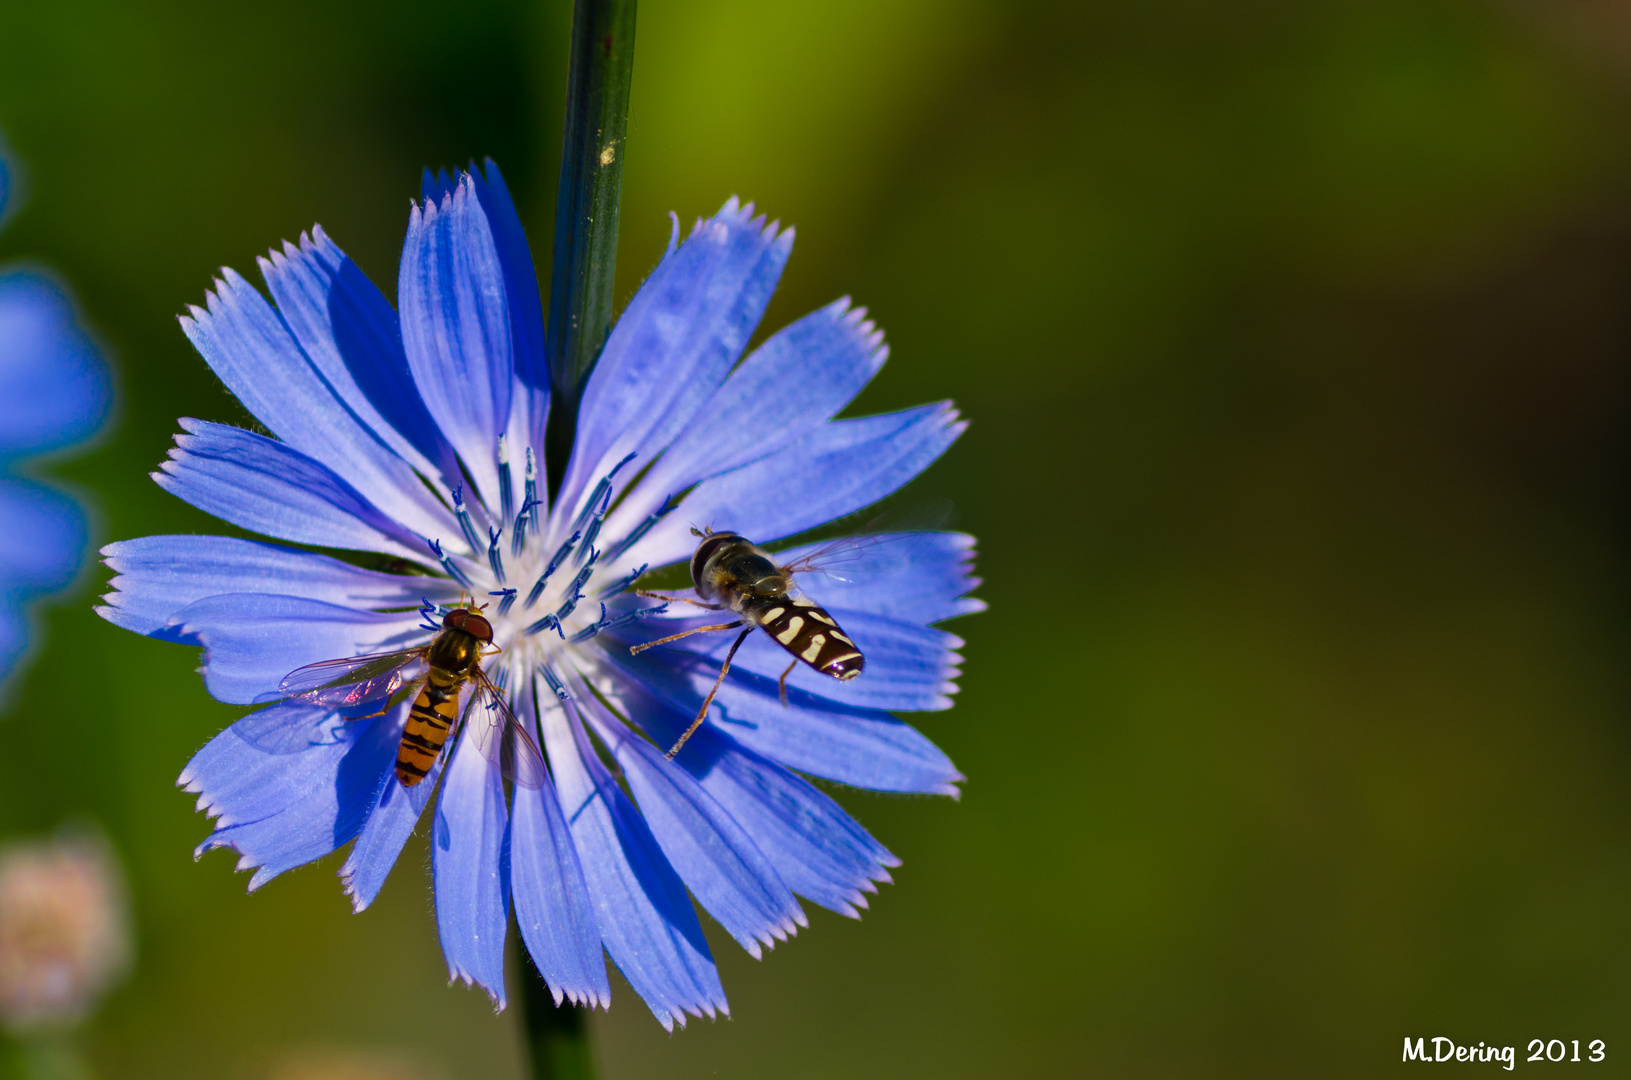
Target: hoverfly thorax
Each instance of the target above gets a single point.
(730, 570)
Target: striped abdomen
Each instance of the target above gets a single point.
(810, 634)
(429, 721)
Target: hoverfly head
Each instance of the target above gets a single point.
(470, 622)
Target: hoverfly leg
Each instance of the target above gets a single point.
(702, 714)
(636, 650)
(676, 599)
(781, 683)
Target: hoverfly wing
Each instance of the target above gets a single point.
(358, 680)
(291, 727)
(501, 737)
(886, 544)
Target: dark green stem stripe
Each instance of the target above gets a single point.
(557, 1038)
(580, 294)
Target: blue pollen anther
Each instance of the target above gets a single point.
(463, 515)
(506, 490)
(546, 623)
(554, 682)
(531, 493)
(448, 564)
(634, 616)
(623, 583)
(589, 631)
(575, 591)
(518, 532)
(617, 549)
(600, 498)
(507, 601)
(554, 565)
(495, 557)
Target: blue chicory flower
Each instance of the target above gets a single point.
(54, 393)
(417, 435)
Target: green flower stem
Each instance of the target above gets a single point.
(557, 1036)
(580, 293)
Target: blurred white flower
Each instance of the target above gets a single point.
(331, 1064)
(64, 931)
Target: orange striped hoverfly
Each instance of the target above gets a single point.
(731, 573)
(440, 672)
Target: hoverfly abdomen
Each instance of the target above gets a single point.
(805, 629)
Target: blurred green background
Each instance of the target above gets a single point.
(1297, 344)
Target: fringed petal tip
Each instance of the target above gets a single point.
(756, 945)
(712, 1010)
(736, 212)
(584, 999)
(458, 975)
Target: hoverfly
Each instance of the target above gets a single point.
(732, 573)
(440, 671)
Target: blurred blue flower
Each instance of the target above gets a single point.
(54, 393)
(416, 435)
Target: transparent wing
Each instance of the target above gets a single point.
(501, 738)
(291, 727)
(883, 545)
(355, 681)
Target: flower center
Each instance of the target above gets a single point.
(541, 580)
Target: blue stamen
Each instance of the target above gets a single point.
(589, 536)
(554, 682)
(634, 616)
(518, 532)
(546, 623)
(495, 557)
(623, 583)
(589, 631)
(600, 498)
(506, 493)
(574, 591)
(532, 492)
(507, 601)
(463, 515)
(617, 549)
(554, 564)
(448, 564)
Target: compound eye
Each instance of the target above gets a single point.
(479, 628)
(454, 620)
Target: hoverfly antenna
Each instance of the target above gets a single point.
(696, 531)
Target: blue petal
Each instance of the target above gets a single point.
(253, 353)
(5, 183)
(861, 747)
(157, 576)
(833, 471)
(395, 812)
(815, 847)
(553, 908)
(525, 306)
(929, 585)
(456, 328)
(675, 343)
(645, 918)
(42, 539)
(54, 387)
(350, 333)
(42, 535)
(909, 668)
(470, 858)
(264, 486)
(279, 811)
(797, 379)
(252, 640)
(713, 855)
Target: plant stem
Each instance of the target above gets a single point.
(557, 1036)
(580, 293)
